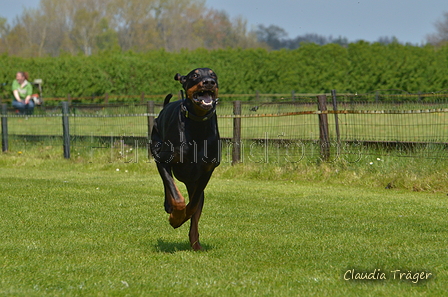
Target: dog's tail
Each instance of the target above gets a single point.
(167, 99)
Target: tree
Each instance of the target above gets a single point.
(36, 27)
(89, 26)
(240, 37)
(179, 23)
(107, 38)
(307, 38)
(85, 29)
(4, 32)
(441, 37)
(387, 40)
(55, 17)
(135, 24)
(219, 31)
(274, 36)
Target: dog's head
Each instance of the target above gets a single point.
(201, 87)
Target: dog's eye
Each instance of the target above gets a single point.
(195, 75)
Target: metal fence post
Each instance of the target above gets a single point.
(4, 128)
(150, 112)
(236, 149)
(324, 135)
(65, 130)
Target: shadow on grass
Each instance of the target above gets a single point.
(171, 247)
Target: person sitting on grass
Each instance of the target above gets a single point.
(22, 91)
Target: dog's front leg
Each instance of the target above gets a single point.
(174, 201)
(196, 193)
(194, 208)
(194, 226)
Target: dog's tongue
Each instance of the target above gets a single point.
(206, 98)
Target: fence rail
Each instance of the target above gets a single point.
(142, 98)
(246, 126)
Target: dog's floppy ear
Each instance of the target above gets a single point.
(180, 78)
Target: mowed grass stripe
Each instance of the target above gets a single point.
(84, 229)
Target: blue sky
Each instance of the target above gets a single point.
(408, 20)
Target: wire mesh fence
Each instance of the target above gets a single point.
(285, 129)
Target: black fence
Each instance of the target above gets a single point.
(286, 129)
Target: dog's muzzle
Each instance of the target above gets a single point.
(206, 96)
(205, 99)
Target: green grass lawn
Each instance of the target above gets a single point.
(73, 228)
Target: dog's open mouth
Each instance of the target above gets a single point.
(205, 98)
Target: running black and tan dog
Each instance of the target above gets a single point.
(185, 142)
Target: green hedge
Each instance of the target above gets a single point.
(359, 68)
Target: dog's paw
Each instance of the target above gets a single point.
(177, 218)
(196, 246)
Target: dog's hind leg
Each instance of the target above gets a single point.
(174, 201)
